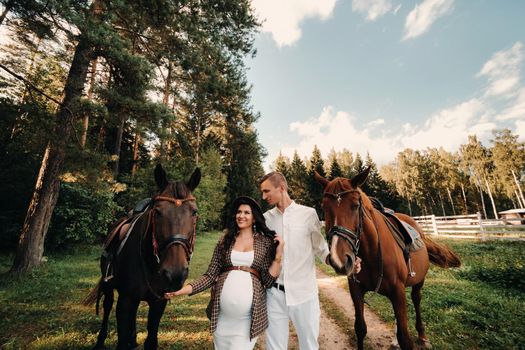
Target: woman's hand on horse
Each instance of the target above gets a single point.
(357, 265)
(187, 289)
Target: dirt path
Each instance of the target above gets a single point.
(331, 336)
(379, 335)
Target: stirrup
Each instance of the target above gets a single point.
(108, 278)
(411, 272)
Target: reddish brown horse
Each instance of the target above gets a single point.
(355, 228)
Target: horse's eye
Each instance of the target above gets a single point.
(195, 212)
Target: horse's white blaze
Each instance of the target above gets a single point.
(333, 253)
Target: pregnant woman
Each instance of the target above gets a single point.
(246, 261)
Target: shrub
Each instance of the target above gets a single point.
(81, 215)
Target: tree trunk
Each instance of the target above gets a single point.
(166, 101)
(464, 198)
(85, 120)
(118, 144)
(519, 204)
(491, 199)
(442, 204)
(31, 243)
(135, 152)
(518, 186)
(409, 207)
(482, 199)
(451, 201)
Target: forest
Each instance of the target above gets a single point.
(94, 94)
(476, 177)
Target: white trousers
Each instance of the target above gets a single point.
(305, 318)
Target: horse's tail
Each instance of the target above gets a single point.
(94, 296)
(441, 255)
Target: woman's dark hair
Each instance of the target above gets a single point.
(233, 230)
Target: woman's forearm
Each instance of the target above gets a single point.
(275, 267)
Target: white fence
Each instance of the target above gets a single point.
(471, 225)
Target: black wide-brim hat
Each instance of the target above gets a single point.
(251, 202)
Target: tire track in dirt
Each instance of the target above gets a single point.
(379, 334)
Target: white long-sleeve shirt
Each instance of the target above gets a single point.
(300, 229)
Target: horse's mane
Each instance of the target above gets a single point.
(176, 189)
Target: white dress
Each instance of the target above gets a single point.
(233, 324)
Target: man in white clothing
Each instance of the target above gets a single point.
(294, 296)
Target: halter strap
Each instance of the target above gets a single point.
(178, 202)
(339, 195)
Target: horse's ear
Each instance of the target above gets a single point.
(359, 179)
(160, 177)
(194, 179)
(320, 179)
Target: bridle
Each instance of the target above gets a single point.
(187, 244)
(354, 238)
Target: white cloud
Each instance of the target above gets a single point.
(282, 18)
(336, 130)
(447, 127)
(377, 122)
(516, 109)
(372, 8)
(420, 19)
(503, 71)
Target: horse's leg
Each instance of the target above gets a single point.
(126, 310)
(133, 326)
(360, 325)
(107, 305)
(420, 326)
(156, 309)
(399, 302)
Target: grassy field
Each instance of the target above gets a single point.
(479, 306)
(43, 311)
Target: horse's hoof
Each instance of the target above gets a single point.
(423, 343)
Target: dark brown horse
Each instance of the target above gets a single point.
(151, 260)
(355, 228)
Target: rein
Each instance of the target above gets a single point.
(353, 238)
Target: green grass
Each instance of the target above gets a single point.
(42, 310)
(478, 306)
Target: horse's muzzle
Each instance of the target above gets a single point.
(173, 280)
(349, 264)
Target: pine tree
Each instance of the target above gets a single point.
(298, 180)
(315, 191)
(282, 165)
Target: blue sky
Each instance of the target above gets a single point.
(380, 76)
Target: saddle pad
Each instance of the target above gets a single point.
(407, 237)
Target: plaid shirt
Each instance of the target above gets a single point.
(262, 259)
